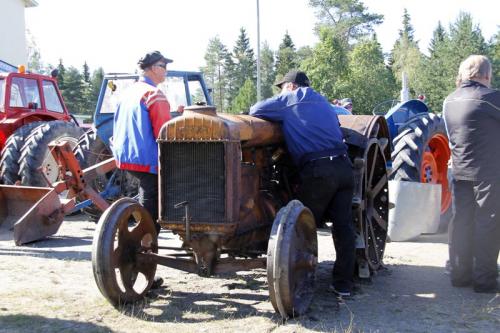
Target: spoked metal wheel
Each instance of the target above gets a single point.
(125, 230)
(292, 257)
(373, 213)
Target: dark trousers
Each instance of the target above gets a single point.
(475, 233)
(327, 189)
(148, 192)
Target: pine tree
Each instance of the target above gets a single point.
(286, 58)
(436, 81)
(95, 88)
(494, 54)
(247, 96)
(86, 72)
(214, 71)
(407, 31)
(73, 90)
(267, 72)
(61, 73)
(244, 59)
(406, 56)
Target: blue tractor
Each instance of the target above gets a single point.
(419, 147)
(181, 88)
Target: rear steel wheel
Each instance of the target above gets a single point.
(371, 209)
(372, 214)
(124, 230)
(292, 257)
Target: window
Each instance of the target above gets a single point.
(23, 92)
(52, 102)
(174, 89)
(196, 91)
(114, 89)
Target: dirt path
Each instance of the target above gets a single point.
(49, 287)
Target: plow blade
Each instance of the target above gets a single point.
(32, 212)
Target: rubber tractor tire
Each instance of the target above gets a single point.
(421, 154)
(37, 166)
(9, 161)
(90, 150)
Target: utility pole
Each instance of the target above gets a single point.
(258, 52)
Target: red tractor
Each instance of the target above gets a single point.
(32, 115)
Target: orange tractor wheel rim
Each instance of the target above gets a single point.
(434, 167)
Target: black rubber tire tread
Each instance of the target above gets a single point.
(91, 150)
(88, 152)
(36, 147)
(409, 147)
(9, 161)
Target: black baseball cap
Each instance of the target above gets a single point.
(298, 77)
(152, 58)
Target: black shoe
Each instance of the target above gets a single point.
(157, 282)
(486, 290)
(340, 292)
(158, 228)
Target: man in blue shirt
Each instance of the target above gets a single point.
(314, 139)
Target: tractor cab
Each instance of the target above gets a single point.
(181, 88)
(27, 97)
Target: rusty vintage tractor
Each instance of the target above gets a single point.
(227, 188)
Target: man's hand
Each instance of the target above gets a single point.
(180, 108)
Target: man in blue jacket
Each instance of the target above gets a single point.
(314, 139)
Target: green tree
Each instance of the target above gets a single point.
(247, 96)
(86, 72)
(94, 90)
(73, 91)
(436, 80)
(244, 61)
(215, 71)
(61, 73)
(348, 19)
(286, 58)
(327, 68)
(446, 52)
(407, 30)
(303, 53)
(406, 56)
(370, 81)
(267, 72)
(494, 53)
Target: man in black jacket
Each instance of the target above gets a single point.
(472, 118)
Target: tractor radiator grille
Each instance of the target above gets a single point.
(193, 172)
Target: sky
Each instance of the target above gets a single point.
(114, 34)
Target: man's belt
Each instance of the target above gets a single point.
(329, 153)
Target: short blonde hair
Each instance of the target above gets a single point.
(474, 67)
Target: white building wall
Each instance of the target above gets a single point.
(12, 31)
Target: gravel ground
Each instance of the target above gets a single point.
(48, 286)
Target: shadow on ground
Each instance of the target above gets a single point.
(27, 323)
